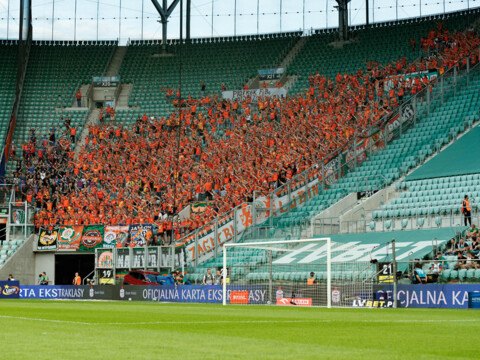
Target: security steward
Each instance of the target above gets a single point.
(467, 216)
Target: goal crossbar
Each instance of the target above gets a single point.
(281, 242)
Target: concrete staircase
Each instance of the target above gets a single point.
(116, 62)
(287, 80)
(287, 60)
(123, 96)
(92, 119)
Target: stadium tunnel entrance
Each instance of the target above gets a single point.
(66, 265)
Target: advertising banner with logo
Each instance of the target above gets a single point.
(9, 289)
(294, 302)
(138, 233)
(115, 235)
(239, 297)
(52, 292)
(47, 240)
(92, 237)
(17, 216)
(257, 294)
(69, 237)
(70, 292)
(449, 296)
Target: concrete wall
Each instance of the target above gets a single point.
(21, 264)
(104, 94)
(363, 211)
(328, 221)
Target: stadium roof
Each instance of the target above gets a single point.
(138, 19)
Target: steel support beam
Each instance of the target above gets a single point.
(164, 11)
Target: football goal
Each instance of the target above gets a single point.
(303, 272)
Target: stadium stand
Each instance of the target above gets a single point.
(430, 131)
(213, 136)
(8, 77)
(125, 171)
(369, 46)
(54, 73)
(432, 194)
(231, 63)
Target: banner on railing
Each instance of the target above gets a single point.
(92, 237)
(69, 237)
(253, 94)
(389, 82)
(17, 216)
(139, 233)
(115, 235)
(47, 240)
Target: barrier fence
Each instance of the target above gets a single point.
(451, 296)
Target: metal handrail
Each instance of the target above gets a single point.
(86, 277)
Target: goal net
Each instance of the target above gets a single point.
(306, 272)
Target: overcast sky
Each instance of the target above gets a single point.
(137, 19)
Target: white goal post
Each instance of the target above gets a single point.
(265, 261)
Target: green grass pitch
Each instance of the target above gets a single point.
(39, 329)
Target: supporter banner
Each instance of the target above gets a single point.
(407, 113)
(138, 233)
(115, 235)
(451, 296)
(200, 207)
(270, 74)
(105, 259)
(388, 83)
(9, 289)
(69, 237)
(185, 213)
(47, 240)
(254, 94)
(17, 216)
(206, 242)
(92, 237)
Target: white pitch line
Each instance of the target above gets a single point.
(241, 321)
(46, 320)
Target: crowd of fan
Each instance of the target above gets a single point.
(214, 150)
